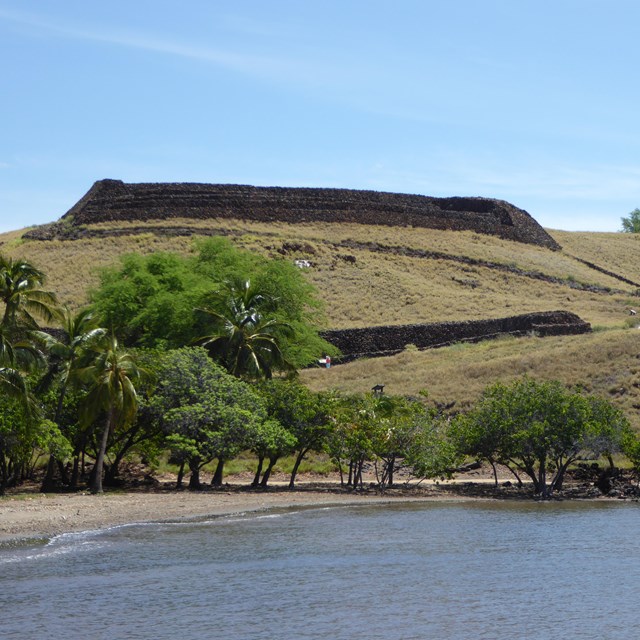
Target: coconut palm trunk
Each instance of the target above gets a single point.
(109, 378)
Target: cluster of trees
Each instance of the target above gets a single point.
(539, 429)
(79, 391)
(193, 374)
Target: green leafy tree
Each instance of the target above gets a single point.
(539, 428)
(22, 300)
(481, 435)
(206, 413)
(305, 414)
(270, 441)
(350, 440)
(67, 419)
(65, 348)
(24, 438)
(245, 338)
(431, 453)
(409, 431)
(22, 295)
(150, 300)
(110, 378)
(16, 434)
(631, 224)
(613, 429)
(390, 430)
(297, 305)
(631, 449)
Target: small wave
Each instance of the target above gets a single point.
(30, 549)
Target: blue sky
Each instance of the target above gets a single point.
(534, 102)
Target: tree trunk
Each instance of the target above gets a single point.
(194, 480)
(47, 483)
(495, 472)
(3, 473)
(341, 472)
(75, 472)
(216, 481)
(256, 477)
(114, 468)
(292, 482)
(390, 469)
(514, 472)
(63, 471)
(96, 484)
(357, 478)
(180, 475)
(558, 481)
(543, 489)
(267, 473)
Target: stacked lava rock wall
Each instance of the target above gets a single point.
(112, 200)
(384, 341)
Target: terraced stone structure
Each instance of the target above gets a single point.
(385, 341)
(114, 200)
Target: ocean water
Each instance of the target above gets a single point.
(400, 572)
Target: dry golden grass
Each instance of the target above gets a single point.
(72, 267)
(618, 252)
(606, 363)
(381, 288)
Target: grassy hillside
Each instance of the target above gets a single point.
(369, 275)
(604, 362)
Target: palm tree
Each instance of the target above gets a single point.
(22, 294)
(65, 347)
(13, 385)
(78, 332)
(21, 297)
(246, 335)
(109, 375)
(18, 357)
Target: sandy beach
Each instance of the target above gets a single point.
(46, 515)
(29, 514)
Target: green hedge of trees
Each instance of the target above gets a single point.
(203, 367)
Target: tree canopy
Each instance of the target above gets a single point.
(205, 412)
(151, 301)
(539, 429)
(631, 223)
(247, 338)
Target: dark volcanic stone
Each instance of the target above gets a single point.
(112, 200)
(388, 340)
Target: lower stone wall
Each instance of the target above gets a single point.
(388, 340)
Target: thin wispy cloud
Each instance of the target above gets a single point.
(332, 76)
(245, 63)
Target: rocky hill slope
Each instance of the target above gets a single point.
(389, 287)
(114, 200)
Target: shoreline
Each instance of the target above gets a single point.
(42, 516)
(47, 515)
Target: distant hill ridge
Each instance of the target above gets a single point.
(114, 200)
